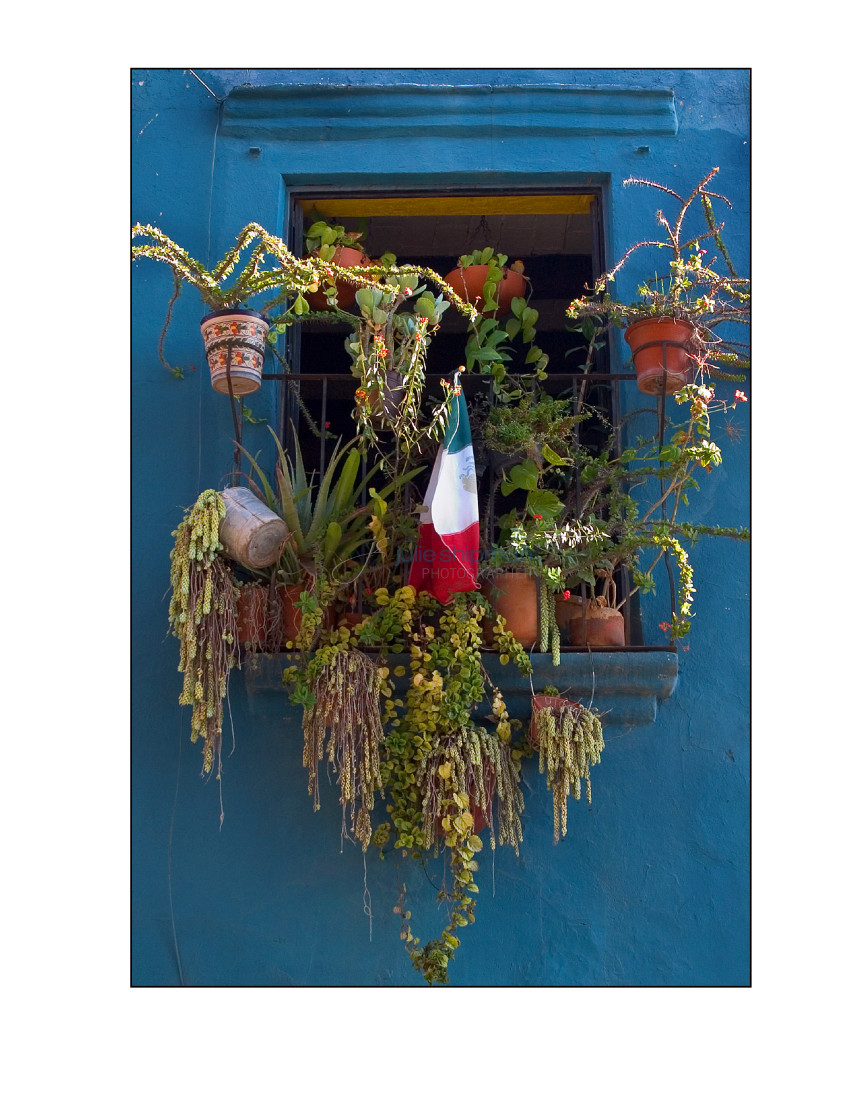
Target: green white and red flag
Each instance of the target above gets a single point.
(446, 558)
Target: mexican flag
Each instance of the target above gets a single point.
(446, 557)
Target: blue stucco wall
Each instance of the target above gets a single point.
(651, 886)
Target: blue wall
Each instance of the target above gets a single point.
(651, 886)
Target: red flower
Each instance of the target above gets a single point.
(538, 516)
(665, 626)
(367, 591)
(327, 423)
(739, 395)
(566, 594)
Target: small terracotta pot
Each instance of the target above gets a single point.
(242, 332)
(565, 611)
(252, 617)
(345, 289)
(598, 626)
(645, 338)
(539, 702)
(514, 595)
(478, 819)
(292, 616)
(469, 283)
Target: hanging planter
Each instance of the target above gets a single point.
(292, 616)
(251, 533)
(469, 283)
(659, 344)
(513, 595)
(252, 617)
(243, 333)
(346, 257)
(386, 405)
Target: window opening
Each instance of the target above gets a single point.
(559, 239)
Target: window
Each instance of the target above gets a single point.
(558, 237)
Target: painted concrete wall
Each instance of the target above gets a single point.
(651, 886)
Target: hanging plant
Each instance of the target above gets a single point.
(203, 617)
(570, 739)
(342, 722)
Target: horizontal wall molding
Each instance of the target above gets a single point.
(625, 687)
(334, 113)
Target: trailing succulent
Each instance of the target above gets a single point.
(427, 756)
(569, 739)
(203, 617)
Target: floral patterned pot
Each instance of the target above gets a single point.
(646, 338)
(243, 333)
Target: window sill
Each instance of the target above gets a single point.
(625, 686)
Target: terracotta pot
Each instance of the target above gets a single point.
(243, 332)
(479, 822)
(345, 289)
(515, 596)
(565, 611)
(292, 615)
(645, 338)
(539, 702)
(252, 617)
(598, 626)
(469, 283)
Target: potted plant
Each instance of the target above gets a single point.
(332, 244)
(569, 739)
(388, 347)
(234, 334)
(483, 279)
(672, 326)
(203, 617)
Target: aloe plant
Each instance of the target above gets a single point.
(326, 531)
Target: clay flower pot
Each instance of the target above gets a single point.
(595, 624)
(647, 339)
(514, 595)
(557, 703)
(292, 616)
(345, 289)
(252, 617)
(469, 283)
(243, 333)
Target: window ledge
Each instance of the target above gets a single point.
(624, 686)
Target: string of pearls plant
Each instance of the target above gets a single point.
(569, 739)
(549, 637)
(203, 616)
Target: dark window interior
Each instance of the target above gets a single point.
(557, 238)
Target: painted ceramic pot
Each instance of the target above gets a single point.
(242, 334)
(653, 340)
